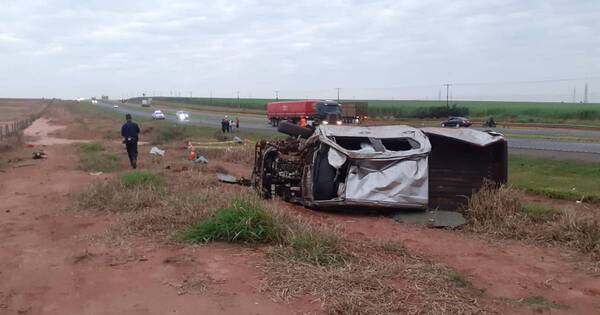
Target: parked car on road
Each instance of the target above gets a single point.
(456, 122)
(158, 115)
(182, 116)
(115, 106)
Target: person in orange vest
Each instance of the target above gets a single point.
(302, 121)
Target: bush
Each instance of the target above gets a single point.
(140, 178)
(243, 221)
(499, 212)
(247, 220)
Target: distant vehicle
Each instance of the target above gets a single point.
(320, 112)
(158, 115)
(94, 102)
(354, 112)
(182, 116)
(104, 97)
(456, 122)
(146, 102)
(115, 106)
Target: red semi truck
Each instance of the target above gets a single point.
(320, 112)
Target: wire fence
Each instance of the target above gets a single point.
(13, 128)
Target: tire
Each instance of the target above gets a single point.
(443, 125)
(294, 130)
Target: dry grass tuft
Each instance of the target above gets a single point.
(240, 154)
(499, 212)
(377, 279)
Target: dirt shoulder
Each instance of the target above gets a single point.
(58, 262)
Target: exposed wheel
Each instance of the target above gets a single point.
(443, 125)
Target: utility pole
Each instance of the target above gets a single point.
(447, 85)
(276, 95)
(574, 95)
(585, 93)
(338, 94)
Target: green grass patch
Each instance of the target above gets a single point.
(243, 221)
(93, 158)
(560, 179)
(91, 147)
(140, 179)
(539, 212)
(248, 220)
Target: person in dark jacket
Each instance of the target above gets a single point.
(225, 124)
(130, 132)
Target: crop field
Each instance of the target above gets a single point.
(527, 112)
(11, 110)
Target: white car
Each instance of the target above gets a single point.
(115, 106)
(181, 115)
(158, 115)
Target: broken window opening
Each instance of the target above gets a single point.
(390, 144)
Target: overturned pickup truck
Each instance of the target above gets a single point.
(385, 167)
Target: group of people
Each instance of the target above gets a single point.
(130, 132)
(228, 124)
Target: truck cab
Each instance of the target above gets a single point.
(328, 112)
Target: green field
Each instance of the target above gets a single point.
(572, 180)
(526, 112)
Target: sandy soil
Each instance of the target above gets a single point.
(41, 133)
(53, 262)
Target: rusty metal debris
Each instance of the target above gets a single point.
(229, 179)
(389, 167)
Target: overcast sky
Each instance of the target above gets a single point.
(304, 48)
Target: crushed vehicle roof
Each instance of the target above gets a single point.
(420, 144)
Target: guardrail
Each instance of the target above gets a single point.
(10, 129)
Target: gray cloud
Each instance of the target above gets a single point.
(305, 48)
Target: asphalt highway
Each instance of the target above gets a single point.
(254, 123)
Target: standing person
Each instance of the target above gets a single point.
(224, 124)
(237, 123)
(231, 125)
(302, 121)
(130, 132)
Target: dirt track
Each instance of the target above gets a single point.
(54, 261)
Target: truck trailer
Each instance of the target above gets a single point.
(354, 112)
(320, 112)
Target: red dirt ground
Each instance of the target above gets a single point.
(52, 262)
(502, 269)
